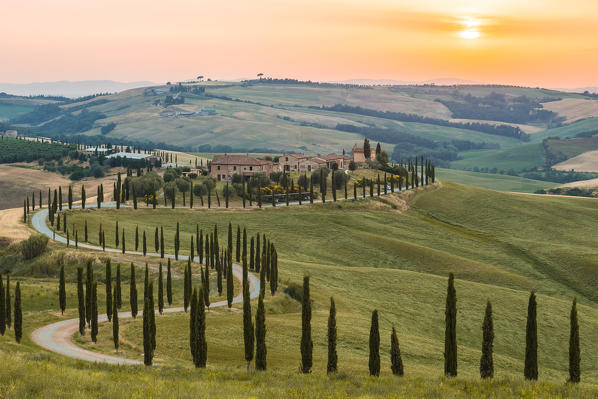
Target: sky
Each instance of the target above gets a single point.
(548, 43)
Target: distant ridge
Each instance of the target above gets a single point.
(69, 88)
(392, 82)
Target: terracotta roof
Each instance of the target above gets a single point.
(236, 160)
(298, 156)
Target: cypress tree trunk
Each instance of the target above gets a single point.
(332, 367)
(88, 292)
(2, 308)
(450, 334)
(94, 312)
(260, 335)
(160, 290)
(115, 325)
(81, 300)
(487, 362)
(374, 360)
(169, 285)
(18, 314)
(574, 355)
(202, 346)
(396, 362)
(248, 334)
(306, 342)
(119, 297)
(133, 292)
(530, 371)
(109, 290)
(61, 296)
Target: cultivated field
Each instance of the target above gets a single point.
(493, 181)
(574, 109)
(586, 162)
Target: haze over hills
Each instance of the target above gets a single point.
(72, 89)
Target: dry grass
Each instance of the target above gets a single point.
(586, 162)
(573, 109)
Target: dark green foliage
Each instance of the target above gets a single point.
(7, 299)
(133, 292)
(306, 342)
(161, 242)
(124, 244)
(115, 325)
(248, 333)
(206, 287)
(94, 311)
(144, 244)
(148, 349)
(152, 314)
(396, 362)
(109, 289)
(252, 254)
(229, 282)
(34, 246)
(169, 284)
(450, 334)
(187, 285)
(332, 366)
(18, 314)
(61, 294)
(257, 253)
(374, 360)
(244, 254)
(81, 300)
(193, 326)
(119, 298)
(88, 293)
(530, 371)
(2, 308)
(156, 240)
(574, 354)
(260, 335)
(487, 362)
(160, 290)
(238, 252)
(202, 345)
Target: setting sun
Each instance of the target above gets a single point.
(471, 30)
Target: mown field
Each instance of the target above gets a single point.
(493, 181)
(526, 156)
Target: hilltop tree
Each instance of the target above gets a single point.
(574, 355)
(133, 292)
(450, 334)
(81, 300)
(160, 290)
(486, 362)
(94, 312)
(118, 287)
(332, 367)
(61, 294)
(260, 335)
(306, 342)
(109, 289)
(374, 360)
(169, 285)
(115, 326)
(396, 362)
(530, 371)
(18, 314)
(378, 150)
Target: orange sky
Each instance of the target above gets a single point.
(550, 43)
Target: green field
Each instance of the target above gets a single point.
(8, 110)
(523, 157)
(493, 181)
(571, 130)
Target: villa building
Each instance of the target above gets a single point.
(223, 167)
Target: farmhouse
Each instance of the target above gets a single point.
(358, 154)
(290, 162)
(223, 167)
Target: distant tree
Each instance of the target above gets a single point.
(124, 246)
(574, 355)
(374, 361)
(161, 242)
(115, 325)
(88, 293)
(530, 371)
(366, 149)
(82, 197)
(18, 314)
(306, 342)
(61, 295)
(378, 150)
(81, 300)
(486, 362)
(156, 240)
(136, 238)
(186, 286)
(396, 362)
(70, 197)
(133, 292)
(144, 244)
(169, 285)
(332, 366)
(260, 335)
(450, 335)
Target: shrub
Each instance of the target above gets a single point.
(295, 291)
(34, 246)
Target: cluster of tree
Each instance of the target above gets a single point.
(291, 81)
(9, 315)
(498, 107)
(170, 100)
(21, 150)
(72, 123)
(575, 191)
(107, 128)
(500, 130)
(180, 88)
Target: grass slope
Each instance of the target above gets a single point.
(523, 157)
(493, 181)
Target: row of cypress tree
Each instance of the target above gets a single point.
(6, 310)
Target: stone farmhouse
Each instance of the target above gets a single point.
(223, 167)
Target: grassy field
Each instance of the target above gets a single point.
(570, 130)
(523, 157)
(570, 148)
(493, 181)
(8, 110)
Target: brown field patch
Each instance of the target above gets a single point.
(573, 109)
(586, 162)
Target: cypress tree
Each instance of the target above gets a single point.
(161, 242)
(60, 198)
(332, 367)
(193, 324)
(85, 231)
(238, 244)
(2, 308)
(116, 235)
(257, 253)
(248, 333)
(229, 283)
(81, 300)
(244, 254)
(374, 360)
(177, 241)
(133, 292)
(124, 243)
(251, 255)
(160, 290)
(186, 286)
(94, 312)
(104, 241)
(145, 281)
(144, 244)
(260, 335)
(311, 190)
(219, 274)
(118, 291)
(70, 197)
(148, 350)
(487, 362)
(152, 314)
(156, 241)
(136, 238)
(200, 247)
(306, 342)
(169, 285)
(18, 314)
(109, 289)
(82, 197)
(531, 341)
(396, 362)
(115, 325)
(574, 355)
(7, 298)
(450, 334)
(88, 293)
(61, 296)
(206, 288)
(202, 346)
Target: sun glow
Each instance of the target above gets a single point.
(470, 28)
